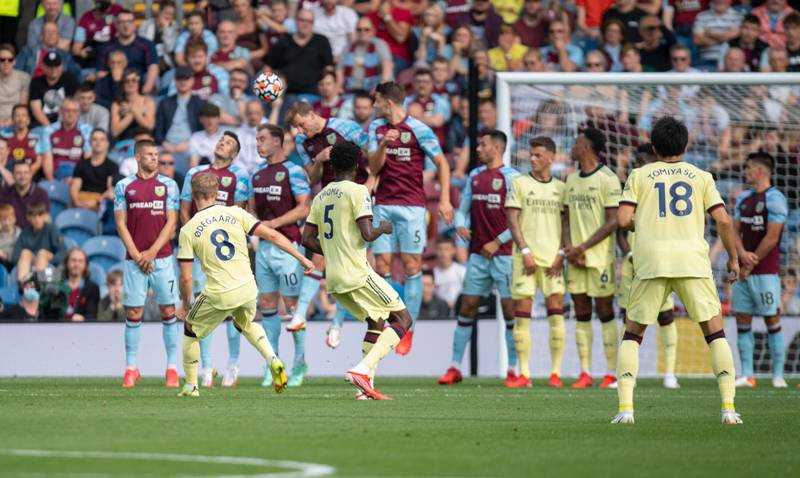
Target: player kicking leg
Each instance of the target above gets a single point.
(146, 212)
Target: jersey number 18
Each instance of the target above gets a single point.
(680, 199)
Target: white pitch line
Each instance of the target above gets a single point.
(299, 469)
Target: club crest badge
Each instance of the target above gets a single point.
(159, 190)
(78, 140)
(226, 181)
(331, 138)
(279, 176)
(759, 207)
(497, 183)
(405, 137)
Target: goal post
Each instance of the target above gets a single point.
(729, 115)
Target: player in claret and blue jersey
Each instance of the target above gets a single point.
(280, 198)
(146, 213)
(758, 220)
(234, 189)
(398, 148)
(481, 220)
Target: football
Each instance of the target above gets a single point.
(268, 87)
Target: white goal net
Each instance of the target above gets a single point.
(728, 117)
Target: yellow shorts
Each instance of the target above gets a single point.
(698, 294)
(524, 286)
(203, 317)
(592, 281)
(625, 280)
(374, 300)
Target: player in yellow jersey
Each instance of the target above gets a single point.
(592, 196)
(339, 227)
(667, 329)
(217, 236)
(670, 199)
(535, 212)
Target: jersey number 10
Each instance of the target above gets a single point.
(677, 198)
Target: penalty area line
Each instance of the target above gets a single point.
(295, 469)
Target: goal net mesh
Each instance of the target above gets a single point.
(726, 122)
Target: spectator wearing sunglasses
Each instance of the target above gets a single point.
(13, 84)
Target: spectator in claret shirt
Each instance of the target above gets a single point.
(23, 193)
(208, 79)
(533, 24)
(612, 44)
(95, 29)
(230, 55)
(64, 143)
(680, 18)
(195, 31)
(748, 41)
(427, 106)
(330, 102)
(141, 53)
(561, 54)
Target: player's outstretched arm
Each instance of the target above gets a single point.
(294, 215)
(728, 236)
(281, 242)
(185, 284)
(369, 233)
(310, 238)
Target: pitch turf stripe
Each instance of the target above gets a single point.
(295, 468)
(378, 291)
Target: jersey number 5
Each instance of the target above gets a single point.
(326, 216)
(680, 193)
(222, 247)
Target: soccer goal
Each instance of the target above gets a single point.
(728, 115)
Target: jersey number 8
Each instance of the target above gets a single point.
(222, 247)
(676, 198)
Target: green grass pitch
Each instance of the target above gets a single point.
(477, 428)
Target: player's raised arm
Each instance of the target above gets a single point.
(377, 148)
(369, 233)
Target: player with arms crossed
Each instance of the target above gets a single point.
(313, 144)
(280, 196)
(340, 227)
(146, 213)
(234, 189)
(538, 222)
(759, 217)
(592, 195)
(398, 146)
(666, 321)
(670, 199)
(217, 236)
(489, 265)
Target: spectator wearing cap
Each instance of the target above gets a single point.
(393, 25)
(96, 116)
(132, 109)
(713, 29)
(177, 117)
(203, 142)
(533, 24)
(23, 193)
(207, 78)
(31, 60)
(337, 23)
(49, 91)
(95, 29)
(770, 16)
(20, 141)
(64, 142)
(195, 31)
(14, 84)
(141, 53)
(561, 54)
(229, 55)
(508, 54)
(367, 61)
(53, 12)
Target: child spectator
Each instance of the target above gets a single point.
(432, 307)
(9, 233)
(75, 296)
(448, 275)
(37, 244)
(110, 308)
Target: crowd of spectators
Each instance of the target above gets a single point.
(81, 81)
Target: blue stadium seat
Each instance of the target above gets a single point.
(69, 243)
(116, 267)
(97, 273)
(104, 251)
(78, 224)
(9, 295)
(59, 195)
(3, 276)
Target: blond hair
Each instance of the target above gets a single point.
(205, 185)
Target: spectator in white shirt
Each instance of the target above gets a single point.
(248, 157)
(98, 117)
(203, 142)
(337, 23)
(448, 275)
(713, 29)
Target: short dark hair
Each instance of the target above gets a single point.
(644, 154)
(195, 45)
(101, 131)
(195, 13)
(235, 138)
(391, 91)
(496, 135)
(328, 71)
(209, 110)
(763, 158)
(791, 19)
(143, 143)
(362, 94)
(86, 87)
(752, 19)
(274, 130)
(36, 208)
(23, 106)
(545, 142)
(344, 156)
(669, 137)
(9, 48)
(116, 274)
(596, 138)
(422, 72)
(300, 108)
(20, 163)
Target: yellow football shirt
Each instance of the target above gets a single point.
(588, 196)
(217, 237)
(540, 206)
(334, 211)
(671, 201)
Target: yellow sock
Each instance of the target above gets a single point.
(387, 341)
(610, 344)
(366, 346)
(522, 342)
(722, 364)
(669, 340)
(583, 339)
(191, 358)
(628, 368)
(254, 334)
(558, 332)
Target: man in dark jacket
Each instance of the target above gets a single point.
(177, 116)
